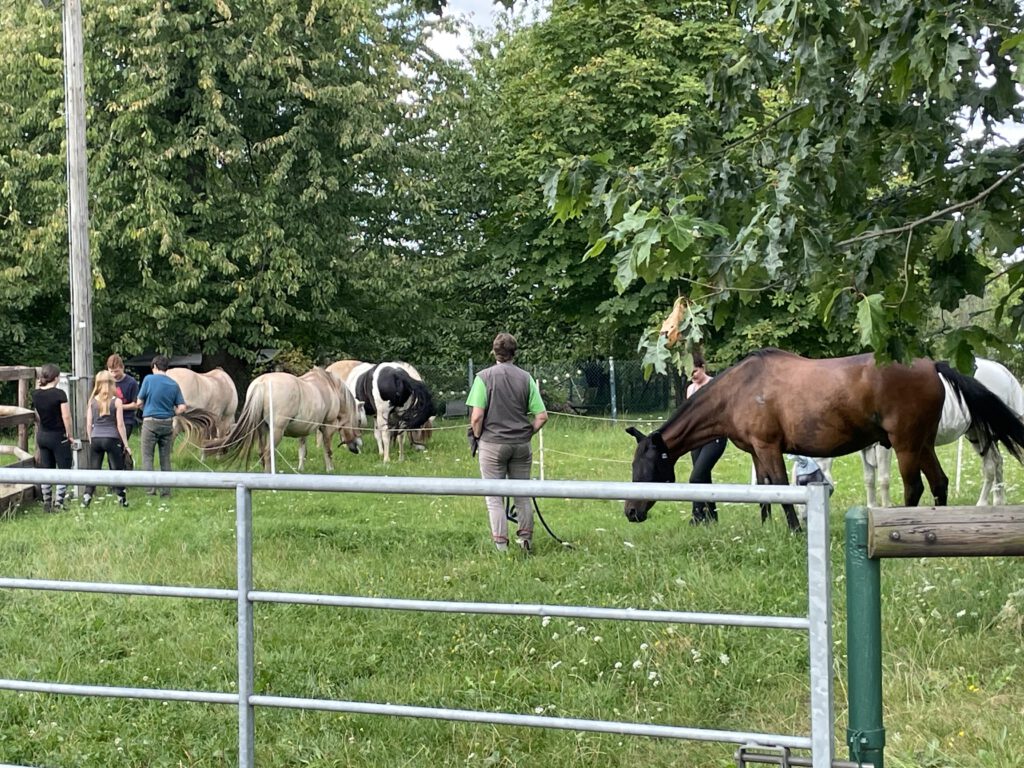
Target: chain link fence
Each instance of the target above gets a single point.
(605, 387)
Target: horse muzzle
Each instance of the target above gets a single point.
(636, 511)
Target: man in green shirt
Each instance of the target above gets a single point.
(506, 410)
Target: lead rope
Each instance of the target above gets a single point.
(510, 515)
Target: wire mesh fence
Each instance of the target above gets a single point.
(592, 387)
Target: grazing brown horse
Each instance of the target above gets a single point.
(774, 402)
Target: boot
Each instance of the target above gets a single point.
(711, 512)
(58, 502)
(47, 498)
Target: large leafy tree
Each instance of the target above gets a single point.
(257, 171)
(617, 85)
(834, 173)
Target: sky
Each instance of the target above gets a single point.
(479, 12)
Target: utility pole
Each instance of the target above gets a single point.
(79, 264)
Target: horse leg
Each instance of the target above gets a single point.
(761, 477)
(937, 479)
(912, 464)
(992, 476)
(264, 456)
(302, 453)
(326, 436)
(772, 471)
(883, 464)
(868, 459)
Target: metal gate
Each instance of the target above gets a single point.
(817, 622)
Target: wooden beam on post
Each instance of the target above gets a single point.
(945, 532)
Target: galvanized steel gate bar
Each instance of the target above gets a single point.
(817, 623)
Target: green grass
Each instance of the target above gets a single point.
(952, 627)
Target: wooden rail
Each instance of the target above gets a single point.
(24, 375)
(945, 532)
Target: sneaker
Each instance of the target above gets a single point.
(526, 545)
(86, 500)
(122, 500)
(47, 506)
(501, 546)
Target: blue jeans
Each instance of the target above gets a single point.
(157, 433)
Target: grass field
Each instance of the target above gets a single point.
(952, 628)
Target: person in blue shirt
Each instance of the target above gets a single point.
(161, 400)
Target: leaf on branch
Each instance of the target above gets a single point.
(871, 321)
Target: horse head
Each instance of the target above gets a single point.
(351, 414)
(651, 464)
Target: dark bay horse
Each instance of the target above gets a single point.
(774, 402)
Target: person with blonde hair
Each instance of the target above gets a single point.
(104, 421)
(53, 432)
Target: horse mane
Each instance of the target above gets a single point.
(758, 355)
(421, 402)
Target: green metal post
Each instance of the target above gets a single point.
(865, 735)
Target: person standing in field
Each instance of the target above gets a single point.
(127, 391)
(506, 411)
(104, 421)
(161, 400)
(706, 456)
(53, 432)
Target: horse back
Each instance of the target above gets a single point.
(835, 406)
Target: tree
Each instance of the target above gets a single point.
(255, 169)
(833, 168)
(571, 83)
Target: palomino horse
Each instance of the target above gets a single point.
(954, 423)
(213, 391)
(395, 395)
(317, 401)
(855, 403)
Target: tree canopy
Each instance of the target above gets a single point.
(261, 173)
(831, 165)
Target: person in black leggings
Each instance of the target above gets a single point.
(53, 432)
(706, 456)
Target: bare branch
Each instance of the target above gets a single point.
(935, 215)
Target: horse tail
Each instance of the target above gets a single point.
(200, 424)
(993, 420)
(240, 439)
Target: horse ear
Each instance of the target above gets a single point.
(658, 441)
(635, 433)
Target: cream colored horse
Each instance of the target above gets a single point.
(316, 402)
(213, 391)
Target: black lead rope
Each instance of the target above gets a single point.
(510, 515)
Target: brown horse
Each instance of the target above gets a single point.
(316, 402)
(774, 402)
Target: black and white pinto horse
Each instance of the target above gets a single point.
(395, 395)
